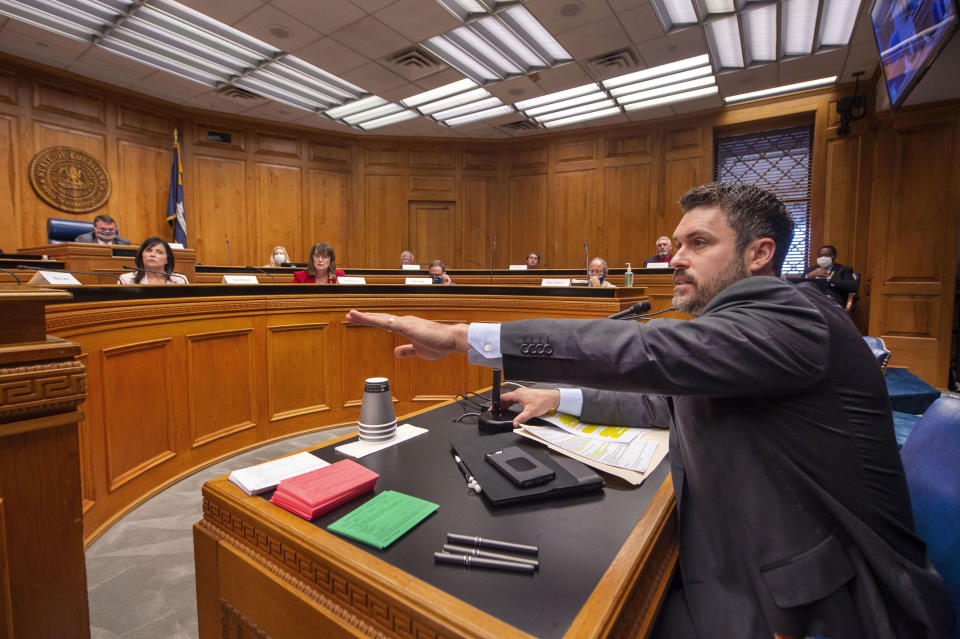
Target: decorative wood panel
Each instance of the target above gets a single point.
(385, 227)
(52, 98)
(527, 159)
(293, 392)
(574, 218)
(221, 389)
(10, 213)
(8, 87)
(480, 160)
(142, 183)
(219, 209)
(279, 200)
(432, 232)
(679, 177)
(333, 156)
(639, 147)
(526, 229)
(475, 204)
(381, 157)
(576, 151)
(685, 142)
(842, 202)
(281, 145)
(431, 381)
(366, 352)
(326, 216)
(137, 120)
(137, 413)
(629, 197)
(445, 159)
(433, 187)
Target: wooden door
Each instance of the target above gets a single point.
(432, 233)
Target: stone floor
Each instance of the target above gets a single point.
(140, 571)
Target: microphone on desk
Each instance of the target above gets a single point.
(494, 419)
(23, 267)
(260, 270)
(15, 276)
(227, 240)
(639, 307)
(586, 255)
(164, 273)
(634, 317)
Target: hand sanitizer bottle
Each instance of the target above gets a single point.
(628, 277)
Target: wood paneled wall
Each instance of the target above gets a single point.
(615, 188)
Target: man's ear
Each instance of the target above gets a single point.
(759, 256)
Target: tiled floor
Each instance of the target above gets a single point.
(140, 572)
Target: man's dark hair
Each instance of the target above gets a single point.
(750, 211)
(106, 219)
(443, 267)
(833, 249)
(534, 253)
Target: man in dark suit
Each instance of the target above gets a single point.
(664, 247)
(104, 232)
(840, 281)
(794, 515)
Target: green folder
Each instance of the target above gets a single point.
(383, 519)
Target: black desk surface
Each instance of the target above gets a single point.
(578, 537)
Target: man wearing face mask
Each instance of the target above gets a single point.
(105, 231)
(840, 280)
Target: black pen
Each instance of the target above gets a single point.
(486, 554)
(469, 560)
(471, 482)
(491, 543)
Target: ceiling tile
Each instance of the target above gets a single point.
(213, 101)
(562, 15)
(701, 104)
(169, 82)
(621, 6)
(111, 65)
(673, 47)
(438, 79)
(565, 77)
(331, 56)
(655, 113)
(511, 91)
(29, 37)
(863, 30)
(325, 18)
(371, 6)
(747, 80)
(263, 22)
(602, 36)
(228, 12)
(320, 122)
(641, 24)
(417, 19)
(400, 92)
(373, 78)
(486, 132)
(812, 67)
(862, 57)
(276, 111)
(371, 37)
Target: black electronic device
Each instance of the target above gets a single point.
(436, 279)
(494, 419)
(520, 467)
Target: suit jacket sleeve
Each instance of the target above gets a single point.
(625, 409)
(843, 280)
(758, 334)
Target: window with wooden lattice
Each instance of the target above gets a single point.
(779, 161)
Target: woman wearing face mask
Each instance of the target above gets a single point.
(322, 266)
(277, 258)
(154, 262)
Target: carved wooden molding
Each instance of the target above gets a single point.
(346, 599)
(41, 389)
(235, 625)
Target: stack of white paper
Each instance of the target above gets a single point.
(263, 477)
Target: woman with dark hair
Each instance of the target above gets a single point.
(154, 265)
(322, 267)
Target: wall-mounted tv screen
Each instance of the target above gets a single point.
(910, 34)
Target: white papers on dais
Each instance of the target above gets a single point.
(263, 477)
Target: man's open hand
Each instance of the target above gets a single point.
(428, 340)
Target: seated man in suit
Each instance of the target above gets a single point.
(407, 258)
(840, 280)
(438, 273)
(792, 507)
(105, 231)
(664, 251)
(533, 260)
(598, 273)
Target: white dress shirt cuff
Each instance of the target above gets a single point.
(484, 340)
(571, 401)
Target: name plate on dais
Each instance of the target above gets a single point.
(240, 279)
(555, 281)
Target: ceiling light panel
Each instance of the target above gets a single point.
(667, 90)
(760, 33)
(580, 118)
(372, 114)
(689, 74)
(674, 14)
(355, 107)
(440, 92)
(500, 36)
(453, 101)
(479, 105)
(480, 115)
(464, 9)
(528, 29)
(672, 99)
(566, 113)
(171, 64)
(788, 88)
(798, 23)
(836, 22)
(723, 38)
(565, 104)
(84, 21)
(409, 114)
(523, 105)
(653, 72)
(459, 59)
(480, 49)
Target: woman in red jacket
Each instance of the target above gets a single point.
(321, 268)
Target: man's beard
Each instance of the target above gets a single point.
(703, 292)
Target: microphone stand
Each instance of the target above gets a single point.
(634, 317)
(586, 256)
(15, 276)
(164, 273)
(229, 259)
(493, 259)
(260, 270)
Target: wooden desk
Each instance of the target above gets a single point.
(108, 260)
(605, 559)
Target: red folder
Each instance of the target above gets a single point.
(311, 494)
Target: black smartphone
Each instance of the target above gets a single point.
(437, 279)
(520, 467)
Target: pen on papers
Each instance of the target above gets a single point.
(491, 543)
(486, 554)
(468, 560)
(471, 482)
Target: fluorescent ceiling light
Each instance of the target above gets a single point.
(580, 118)
(798, 24)
(466, 108)
(711, 7)
(390, 119)
(476, 46)
(164, 64)
(788, 88)
(57, 18)
(587, 108)
(662, 81)
(459, 59)
(355, 107)
(671, 99)
(653, 72)
(276, 93)
(760, 33)
(534, 34)
(372, 114)
(455, 100)
(836, 22)
(667, 90)
(507, 41)
(463, 9)
(723, 36)
(480, 115)
(564, 104)
(523, 105)
(302, 72)
(675, 13)
(439, 92)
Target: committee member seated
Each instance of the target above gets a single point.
(321, 269)
(598, 273)
(278, 257)
(105, 231)
(664, 251)
(793, 514)
(154, 262)
(438, 273)
(407, 258)
(840, 280)
(533, 260)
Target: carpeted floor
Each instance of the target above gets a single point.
(140, 572)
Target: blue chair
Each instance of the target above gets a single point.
(879, 350)
(60, 230)
(931, 461)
